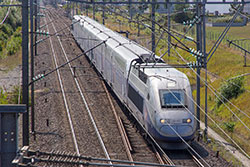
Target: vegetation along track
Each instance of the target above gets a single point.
(92, 87)
(53, 126)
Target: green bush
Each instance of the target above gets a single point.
(180, 17)
(231, 89)
(227, 20)
(3, 37)
(230, 126)
(14, 97)
(3, 97)
(14, 19)
(7, 29)
(9, 43)
(13, 45)
(1, 46)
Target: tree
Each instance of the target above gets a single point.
(180, 15)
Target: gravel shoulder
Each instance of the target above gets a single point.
(8, 79)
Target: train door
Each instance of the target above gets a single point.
(104, 48)
(107, 66)
(113, 68)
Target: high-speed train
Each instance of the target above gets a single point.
(159, 96)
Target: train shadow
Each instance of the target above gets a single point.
(199, 149)
(185, 155)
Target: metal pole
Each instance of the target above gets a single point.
(93, 10)
(245, 59)
(25, 70)
(199, 44)
(33, 109)
(153, 26)
(87, 9)
(36, 7)
(70, 8)
(205, 61)
(103, 16)
(81, 8)
(76, 9)
(138, 27)
(129, 9)
(169, 24)
(32, 63)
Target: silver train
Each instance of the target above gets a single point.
(159, 97)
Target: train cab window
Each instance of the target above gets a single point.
(172, 98)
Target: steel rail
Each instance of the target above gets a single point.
(164, 157)
(63, 93)
(125, 141)
(84, 100)
(162, 160)
(195, 159)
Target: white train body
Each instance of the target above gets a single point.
(150, 93)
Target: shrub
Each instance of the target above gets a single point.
(230, 126)
(180, 17)
(14, 18)
(1, 46)
(227, 20)
(14, 98)
(7, 29)
(231, 89)
(3, 37)
(3, 97)
(13, 45)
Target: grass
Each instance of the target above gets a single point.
(217, 147)
(225, 63)
(10, 62)
(236, 32)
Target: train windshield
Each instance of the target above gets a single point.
(172, 98)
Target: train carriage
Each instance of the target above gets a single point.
(160, 98)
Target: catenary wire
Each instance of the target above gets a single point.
(211, 86)
(208, 117)
(230, 103)
(219, 97)
(213, 91)
(7, 14)
(207, 85)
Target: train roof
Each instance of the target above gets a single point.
(168, 71)
(126, 48)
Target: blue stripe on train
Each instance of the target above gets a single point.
(152, 130)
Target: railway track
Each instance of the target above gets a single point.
(137, 142)
(81, 89)
(186, 158)
(123, 141)
(83, 102)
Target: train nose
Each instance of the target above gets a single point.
(174, 126)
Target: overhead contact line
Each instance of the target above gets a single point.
(71, 60)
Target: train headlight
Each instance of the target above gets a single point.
(187, 120)
(162, 121)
